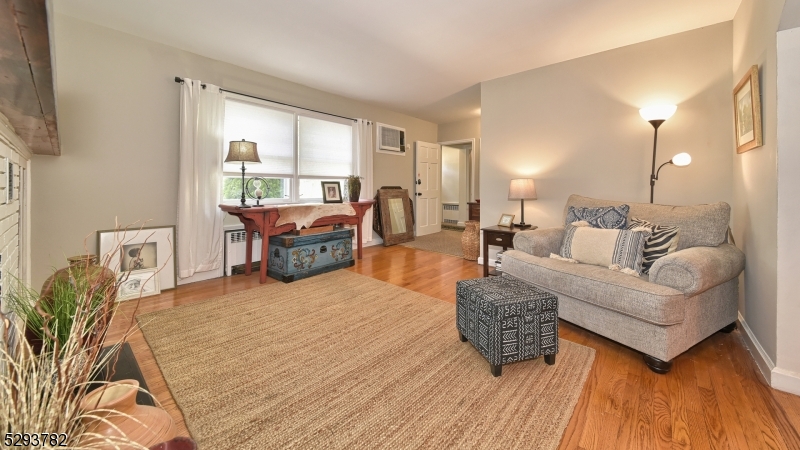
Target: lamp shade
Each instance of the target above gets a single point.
(522, 189)
(682, 159)
(658, 112)
(242, 151)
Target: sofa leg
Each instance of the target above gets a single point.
(461, 337)
(728, 328)
(496, 370)
(657, 365)
(550, 359)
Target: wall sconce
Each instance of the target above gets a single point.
(657, 115)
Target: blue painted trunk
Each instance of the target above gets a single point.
(294, 257)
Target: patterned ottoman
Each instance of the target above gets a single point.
(507, 320)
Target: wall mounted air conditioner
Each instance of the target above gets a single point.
(391, 140)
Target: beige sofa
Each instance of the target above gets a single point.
(688, 295)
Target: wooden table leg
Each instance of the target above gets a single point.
(264, 258)
(485, 256)
(358, 234)
(248, 260)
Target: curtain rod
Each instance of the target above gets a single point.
(180, 80)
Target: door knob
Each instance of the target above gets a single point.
(419, 181)
(419, 193)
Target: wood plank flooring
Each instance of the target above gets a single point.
(714, 397)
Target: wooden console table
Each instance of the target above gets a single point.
(264, 218)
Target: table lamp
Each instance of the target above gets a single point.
(246, 152)
(522, 189)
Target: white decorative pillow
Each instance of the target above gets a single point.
(616, 249)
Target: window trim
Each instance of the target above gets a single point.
(295, 177)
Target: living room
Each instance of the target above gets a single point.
(547, 92)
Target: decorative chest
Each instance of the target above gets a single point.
(507, 320)
(294, 257)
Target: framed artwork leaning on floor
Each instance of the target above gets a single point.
(141, 249)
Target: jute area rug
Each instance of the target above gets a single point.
(343, 361)
(445, 241)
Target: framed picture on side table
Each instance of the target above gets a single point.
(140, 249)
(331, 192)
(506, 220)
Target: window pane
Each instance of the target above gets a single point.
(326, 148)
(274, 188)
(272, 130)
(312, 189)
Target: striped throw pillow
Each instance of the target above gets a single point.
(611, 248)
(663, 240)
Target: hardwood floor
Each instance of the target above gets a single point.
(713, 398)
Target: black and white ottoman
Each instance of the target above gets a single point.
(507, 320)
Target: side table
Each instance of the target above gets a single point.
(501, 237)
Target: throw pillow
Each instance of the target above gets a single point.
(612, 217)
(612, 248)
(663, 240)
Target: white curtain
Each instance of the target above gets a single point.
(199, 229)
(364, 145)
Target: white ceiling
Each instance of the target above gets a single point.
(420, 57)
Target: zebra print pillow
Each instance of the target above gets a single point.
(663, 240)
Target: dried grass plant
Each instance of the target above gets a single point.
(41, 392)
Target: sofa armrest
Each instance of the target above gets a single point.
(697, 269)
(540, 242)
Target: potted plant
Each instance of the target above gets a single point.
(59, 301)
(43, 390)
(353, 183)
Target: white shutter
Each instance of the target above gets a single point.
(271, 129)
(325, 148)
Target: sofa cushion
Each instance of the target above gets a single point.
(614, 217)
(623, 248)
(701, 225)
(661, 242)
(632, 296)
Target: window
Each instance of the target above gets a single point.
(298, 150)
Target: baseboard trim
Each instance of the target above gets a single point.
(763, 361)
(786, 380)
(480, 261)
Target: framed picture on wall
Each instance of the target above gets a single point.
(747, 112)
(150, 248)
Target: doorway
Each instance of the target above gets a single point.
(458, 161)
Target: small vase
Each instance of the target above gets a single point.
(355, 191)
(470, 240)
(145, 425)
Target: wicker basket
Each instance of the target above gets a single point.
(471, 240)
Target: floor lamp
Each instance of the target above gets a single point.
(657, 115)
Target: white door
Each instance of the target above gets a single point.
(428, 209)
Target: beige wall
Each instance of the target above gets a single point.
(755, 186)
(465, 129)
(574, 127)
(118, 121)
